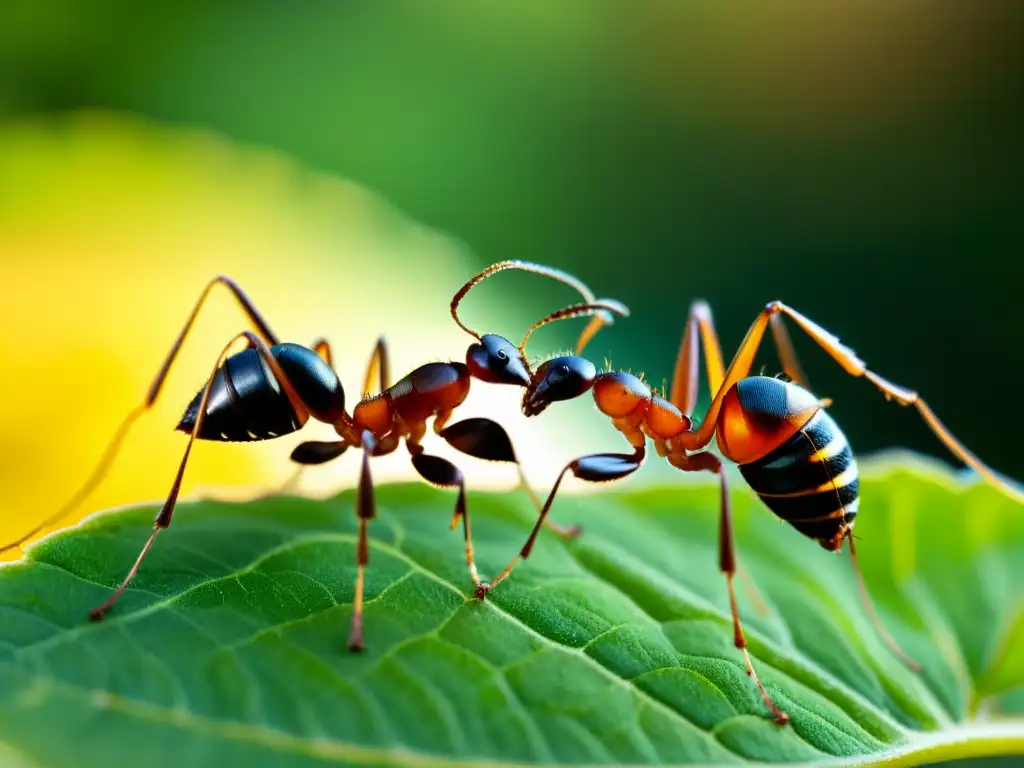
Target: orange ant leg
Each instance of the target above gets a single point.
(853, 365)
(595, 468)
(699, 328)
(486, 439)
(787, 352)
(163, 518)
(366, 510)
(379, 367)
(706, 462)
(700, 331)
(848, 360)
(738, 369)
(323, 348)
(114, 446)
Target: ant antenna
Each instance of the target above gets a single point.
(601, 318)
(873, 614)
(599, 307)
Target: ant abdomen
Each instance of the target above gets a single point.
(247, 403)
(793, 455)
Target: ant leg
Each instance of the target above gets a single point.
(700, 331)
(699, 327)
(111, 451)
(379, 368)
(564, 532)
(366, 510)
(486, 439)
(853, 365)
(706, 462)
(320, 452)
(163, 518)
(595, 468)
(847, 358)
(865, 598)
(442, 472)
(739, 368)
(787, 353)
(323, 348)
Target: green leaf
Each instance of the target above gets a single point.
(229, 649)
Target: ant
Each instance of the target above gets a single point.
(788, 448)
(273, 388)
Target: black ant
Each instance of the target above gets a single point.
(271, 389)
(788, 448)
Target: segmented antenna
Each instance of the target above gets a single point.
(601, 316)
(599, 307)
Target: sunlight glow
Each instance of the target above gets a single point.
(110, 227)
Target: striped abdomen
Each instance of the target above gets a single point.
(247, 402)
(810, 481)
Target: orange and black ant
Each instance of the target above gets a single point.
(788, 448)
(271, 389)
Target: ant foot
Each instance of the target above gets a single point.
(572, 532)
(355, 638)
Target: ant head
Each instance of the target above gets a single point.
(562, 378)
(498, 361)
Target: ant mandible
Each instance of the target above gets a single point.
(788, 448)
(271, 389)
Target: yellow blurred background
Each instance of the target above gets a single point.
(114, 229)
(351, 164)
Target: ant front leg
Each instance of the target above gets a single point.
(323, 348)
(366, 510)
(707, 462)
(488, 440)
(163, 518)
(595, 468)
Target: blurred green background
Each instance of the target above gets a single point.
(859, 160)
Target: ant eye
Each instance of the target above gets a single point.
(502, 354)
(563, 370)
